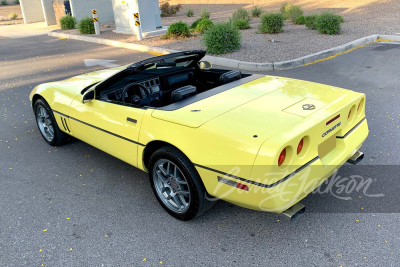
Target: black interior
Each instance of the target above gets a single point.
(163, 83)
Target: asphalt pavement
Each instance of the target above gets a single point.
(77, 206)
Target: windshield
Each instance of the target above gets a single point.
(170, 61)
(153, 67)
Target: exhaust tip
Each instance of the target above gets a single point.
(356, 158)
(294, 212)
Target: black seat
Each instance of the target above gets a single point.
(182, 93)
(230, 76)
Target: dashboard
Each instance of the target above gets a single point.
(152, 85)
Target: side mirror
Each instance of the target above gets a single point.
(88, 96)
(204, 65)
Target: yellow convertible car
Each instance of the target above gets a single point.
(260, 142)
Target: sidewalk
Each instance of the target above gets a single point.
(26, 30)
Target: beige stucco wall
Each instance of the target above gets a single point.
(32, 11)
(48, 11)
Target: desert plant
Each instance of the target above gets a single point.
(68, 22)
(194, 24)
(300, 20)
(241, 24)
(189, 12)
(328, 23)
(4, 2)
(178, 29)
(168, 10)
(204, 25)
(16, 2)
(205, 13)
(256, 11)
(295, 12)
(241, 13)
(271, 23)
(310, 21)
(12, 15)
(86, 26)
(222, 38)
(285, 8)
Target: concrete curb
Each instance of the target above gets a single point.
(237, 64)
(137, 47)
(324, 54)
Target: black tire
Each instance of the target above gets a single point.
(198, 203)
(59, 137)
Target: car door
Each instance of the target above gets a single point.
(111, 127)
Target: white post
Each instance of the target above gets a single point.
(136, 17)
(96, 22)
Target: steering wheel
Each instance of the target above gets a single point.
(129, 87)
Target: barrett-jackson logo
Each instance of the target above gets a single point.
(331, 129)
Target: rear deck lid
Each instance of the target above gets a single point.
(305, 107)
(268, 101)
(237, 93)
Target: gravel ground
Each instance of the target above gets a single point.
(6, 10)
(361, 19)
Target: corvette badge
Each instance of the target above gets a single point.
(308, 107)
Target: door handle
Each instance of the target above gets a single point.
(131, 120)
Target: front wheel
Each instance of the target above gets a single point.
(47, 124)
(177, 185)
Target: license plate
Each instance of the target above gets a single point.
(327, 146)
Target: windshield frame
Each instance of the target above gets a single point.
(138, 66)
(199, 54)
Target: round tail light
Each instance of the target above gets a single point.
(360, 105)
(282, 157)
(300, 146)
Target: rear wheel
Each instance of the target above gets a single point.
(47, 124)
(177, 185)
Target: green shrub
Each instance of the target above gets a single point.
(12, 15)
(241, 24)
(205, 13)
(222, 38)
(295, 12)
(189, 12)
(194, 24)
(256, 11)
(271, 23)
(86, 26)
(178, 29)
(328, 23)
(168, 10)
(285, 8)
(241, 13)
(68, 22)
(4, 2)
(310, 21)
(300, 20)
(204, 25)
(16, 2)
(340, 18)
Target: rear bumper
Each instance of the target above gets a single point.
(286, 192)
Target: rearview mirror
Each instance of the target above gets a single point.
(88, 96)
(204, 65)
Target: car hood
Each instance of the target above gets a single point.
(76, 84)
(268, 105)
(72, 87)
